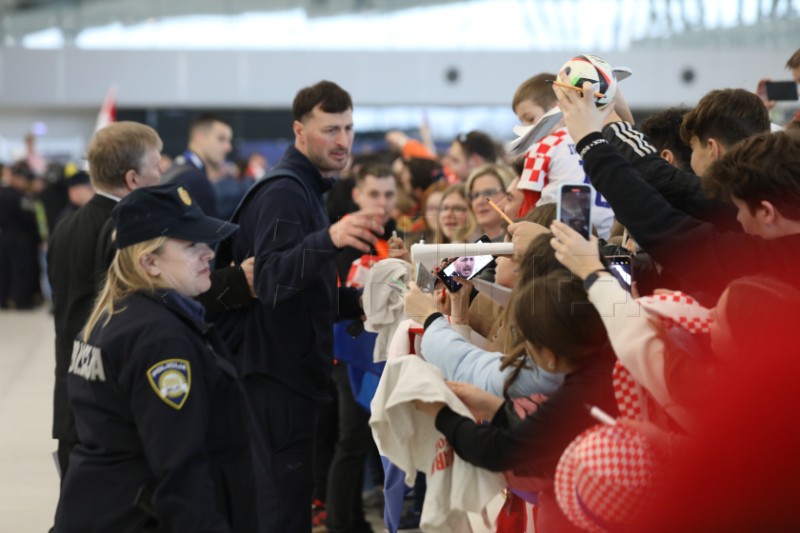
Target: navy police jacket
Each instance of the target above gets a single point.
(289, 331)
(162, 426)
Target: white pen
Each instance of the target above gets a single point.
(601, 415)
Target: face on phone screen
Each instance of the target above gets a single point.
(575, 208)
(467, 267)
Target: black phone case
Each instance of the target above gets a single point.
(782, 90)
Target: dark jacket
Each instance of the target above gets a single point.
(688, 247)
(681, 188)
(289, 330)
(192, 175)
(77, 259)
(79, 254)
(162, 425)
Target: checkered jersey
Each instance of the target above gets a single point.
(554, 161)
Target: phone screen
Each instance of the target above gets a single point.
(620, 266)
(575, 208)
(467, 267)
(781, 90)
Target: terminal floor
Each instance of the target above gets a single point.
(28, 477)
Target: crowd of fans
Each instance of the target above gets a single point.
(693, 363)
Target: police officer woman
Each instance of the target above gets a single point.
(160, 418)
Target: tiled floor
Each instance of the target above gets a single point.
(28, 478)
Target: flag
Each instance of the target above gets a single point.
(108, 111)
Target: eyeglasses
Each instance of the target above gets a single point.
(486, 193)
(457, 209)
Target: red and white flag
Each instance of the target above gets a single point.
(108, 111)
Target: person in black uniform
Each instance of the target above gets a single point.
(158, 407)
(123, 156)
(19, 241)
(209, 142)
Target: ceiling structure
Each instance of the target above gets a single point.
(763, 23)
(20, 17)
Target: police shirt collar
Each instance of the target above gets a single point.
(194, 159)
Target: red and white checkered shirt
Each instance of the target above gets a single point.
(554, 161)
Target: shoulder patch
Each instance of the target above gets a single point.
(171, 379)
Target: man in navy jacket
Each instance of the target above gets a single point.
(286, 354)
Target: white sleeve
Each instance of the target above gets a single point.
(460, 360)
(633, 336)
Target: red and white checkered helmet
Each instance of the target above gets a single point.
(606, 477)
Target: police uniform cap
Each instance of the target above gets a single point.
(168, 211)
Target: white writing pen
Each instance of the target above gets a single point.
(601, 415)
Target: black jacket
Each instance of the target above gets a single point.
(688, 247)
(289, 330)
(162, 426)
(79, 254)
(195, 179)
(77, 259)
(681, 188)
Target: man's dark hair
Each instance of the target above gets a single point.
(424, 172)
(663, 130)
(205, 121)
(377, 170)
(477, 142)
(761, 168)
(727, 115)
(330, 97)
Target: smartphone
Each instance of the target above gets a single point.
(575, 207)
(424, 279)
(467, 267)
(620, 267)
(781, 90)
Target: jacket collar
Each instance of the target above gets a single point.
(191, 311)
(306, 170)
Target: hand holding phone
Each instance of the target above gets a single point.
(575, 207)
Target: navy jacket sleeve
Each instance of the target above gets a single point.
(688, 247)
(229, 290)
(289, 255)
(172, 439)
